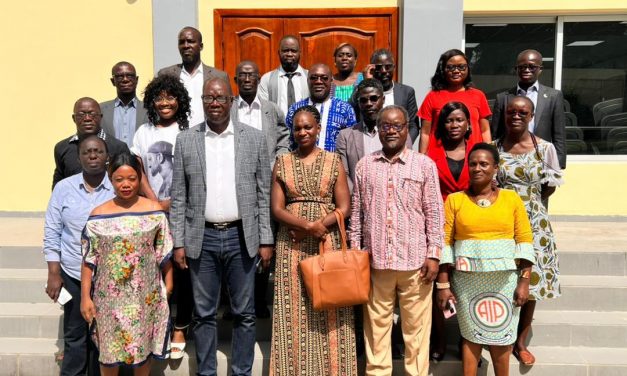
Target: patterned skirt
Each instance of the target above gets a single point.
(485, 309)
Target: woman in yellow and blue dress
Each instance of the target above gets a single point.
(486, 262)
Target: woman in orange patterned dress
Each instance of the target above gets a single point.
(308, 184)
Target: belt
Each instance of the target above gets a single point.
(221, 226)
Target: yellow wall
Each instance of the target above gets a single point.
(53, 53)
(550, 7)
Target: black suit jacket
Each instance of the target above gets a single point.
(549, 118)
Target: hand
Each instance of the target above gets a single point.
(179, 258)
(444, 296)
(317, 229)
(55, 282)
(521, 294)
(429, 270)
(297, 235)
(88, 309)
(265, 252)
(368, 71)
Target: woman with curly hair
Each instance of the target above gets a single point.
(452, 82)
(168, 106)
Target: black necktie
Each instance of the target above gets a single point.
(291, 97)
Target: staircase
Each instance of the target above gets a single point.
(582, 333)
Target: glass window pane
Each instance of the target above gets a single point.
(493, 48)
(594, 81)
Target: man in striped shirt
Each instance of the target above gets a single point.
(397, 215)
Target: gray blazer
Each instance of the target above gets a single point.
(405, 96)
(350, 146)
(107, 115)
(189, 188)
(269, 86)
(549, 118)
(207, 72)
(272, 125)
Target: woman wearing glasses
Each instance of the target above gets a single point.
(452, 82)
(168, 106)
(530, 166)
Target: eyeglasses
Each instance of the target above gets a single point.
(372, 98)
(245, 75)
(208, 99)
(121, 76)
(385, 128)
(168, 99)
(323, 78)
(453, 68)
(380, 67)
(521, 114)
(83, 115)
(531, 67)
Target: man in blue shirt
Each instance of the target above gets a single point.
(72, 201)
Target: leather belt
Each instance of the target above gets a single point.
(221, 226)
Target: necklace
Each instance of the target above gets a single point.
(483, 202)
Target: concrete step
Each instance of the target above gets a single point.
(23, 286)
(589, 293)
(30, 357)
(22, 258)
(31, 320)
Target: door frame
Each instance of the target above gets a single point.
(220, 14)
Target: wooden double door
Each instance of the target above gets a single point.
(245, 34)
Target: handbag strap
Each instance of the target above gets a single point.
(339, 217)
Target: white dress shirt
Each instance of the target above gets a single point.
(323, 108)
(372, 142)
(193, 83)
(389, 97)
(282, 87)
(531, 93)
(221, 205)
(249, 114)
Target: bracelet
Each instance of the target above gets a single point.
(525, 274)
(443, 285)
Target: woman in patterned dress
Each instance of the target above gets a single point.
(126, 251)
(308, 184)
(486, 262)
(529, 165)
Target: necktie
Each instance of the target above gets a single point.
(291, 97)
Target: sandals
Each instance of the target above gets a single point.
(177, 350)
(524, 357)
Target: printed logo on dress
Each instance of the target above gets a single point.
(491, 311)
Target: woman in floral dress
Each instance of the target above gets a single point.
(529, 165)
(126, 250)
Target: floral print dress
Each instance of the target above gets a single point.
(126, 251)
(525, 174)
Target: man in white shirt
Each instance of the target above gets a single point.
(192, 71)
(220, 216)
(287, 84)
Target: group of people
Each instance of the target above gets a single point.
(158, 203)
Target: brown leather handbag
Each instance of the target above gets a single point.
(337, 278)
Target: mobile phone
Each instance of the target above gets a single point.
(64, 295)
(450, 310)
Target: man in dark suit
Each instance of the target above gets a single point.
(220, 222)
(192, 71)
(264, 115)
(549, 121)
(382, 68)
(123, 115)
(87, 117)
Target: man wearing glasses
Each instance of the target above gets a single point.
(382, 68)
(220, 222)
(549, 121)
(123, 115)
(87, 117)
(397, 215)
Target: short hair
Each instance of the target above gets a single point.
(119, 64)
(527, 99)
(247, 62)
(289, 36)
(447, 109)
(86, 137)
(173, 86)
(369, 83)
(391, 108)
(310, 109)
(125, 159)
(162, 147)
(342, 45)
(487, 147)
(522, 53)
(193, 29)
(380, 52)
(438, 81)
(219, 79)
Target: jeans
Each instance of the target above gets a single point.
(183, 298)
(224, 253)
(80, 356)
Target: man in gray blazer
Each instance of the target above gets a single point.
(192, 71)
(123, 115)
(287, 84)
(549, 121)
(220, 222)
